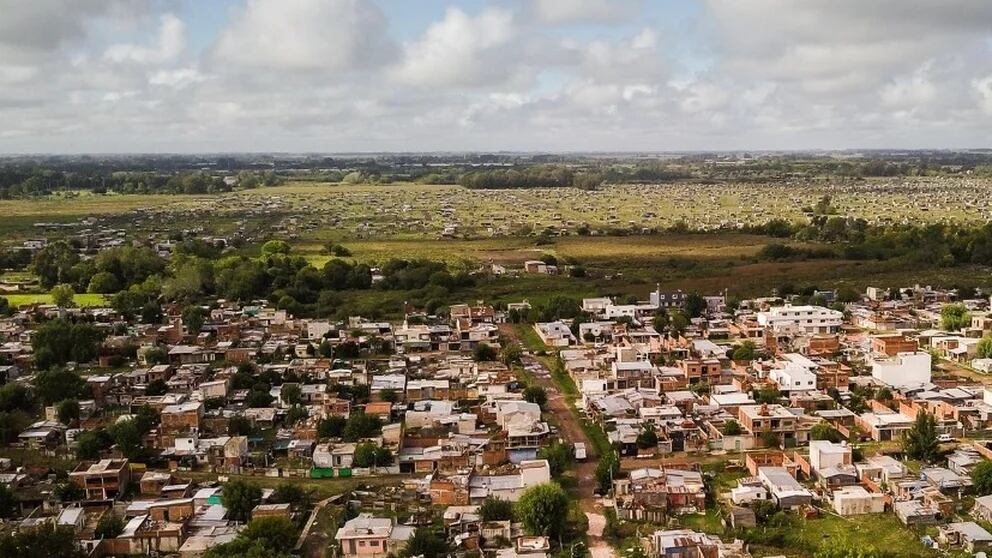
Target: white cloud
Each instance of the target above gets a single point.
(585, 11)
(306, 35)
(461, 51)
(176, 79)
(170, 43)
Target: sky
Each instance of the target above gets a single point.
(177, 76)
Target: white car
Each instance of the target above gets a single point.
(945, 438)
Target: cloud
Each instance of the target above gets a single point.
(170, 43)
(585, 11)
(176, 79)
(306, 35)
(461, 51)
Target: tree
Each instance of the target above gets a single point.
(660, 320)
(109, 526)
(981, 476)
(68, 411)
(103, 283)
(679, 323)
(606, 470)
(275, 247)
(129, 438)
(920, 441)
(559, 457)
(332, 426)
(732, 428)
(193, 318)
(371, 455)
(543, 510)
(238, 426)
(53, 264)
(536, 394)
(745, 351)
(89, 444)
(58, 384)
(695, 305)
(984, 348)
(68, 491)
(483, 352)
(156, 387)
(60, 341)
(954, 317)
(45, 540)
(389, 395)
(291, 394)
(291, 493)
(767, 395)
(361, 426)
(496, 509)
(274, 532)
(239, 498)
(426, 543)
(325, 349)
(8, 502)
(823, 431)
(511, 354)
(647, 439)
(63, 295)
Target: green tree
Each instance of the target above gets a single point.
(58, 384)
(63, 295)
(984, 348)
(559, 457)
(371, 455)
(511, 354)
(426, 543)
(747, 350)
(89, 444)
(954, 317)
(103, 283)
(606, 470)
(695, 305)
(823, 431)
(193, 318)
(920, 441)
(239, 426)
(543, 510)
(291, 394)
(156, 387)
(109, 526)
(59, 341)
(53, 264)
(389, 395)
(274, 532)
(767, 395)
(496, 509)
(239, 498)
(45, 540)
(130, 439)
(292, 494)
(68, 411)
(981, 476)
(732, 428)
(360, 426)
(483, 352)
(8, 502)
(325, 349)
(536, 394)
(275, 247)
(647, 439)
(332, 426)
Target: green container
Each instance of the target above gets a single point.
(344, 473)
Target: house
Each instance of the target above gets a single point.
(372, 537)
(555, 334)
(966, 534)
(902, 371)
(801, 319)
(916, 512)
(102, 480)
(784, 488)
(983, 508)
(855, 500)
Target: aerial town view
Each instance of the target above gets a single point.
(495, 278)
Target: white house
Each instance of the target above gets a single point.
(903, 371)
(801, 319)
(793, 377)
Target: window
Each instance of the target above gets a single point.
(361, 543)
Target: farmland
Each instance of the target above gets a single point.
(622, 235)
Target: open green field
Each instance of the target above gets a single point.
(83, 299)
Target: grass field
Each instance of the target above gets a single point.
(83, 299)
